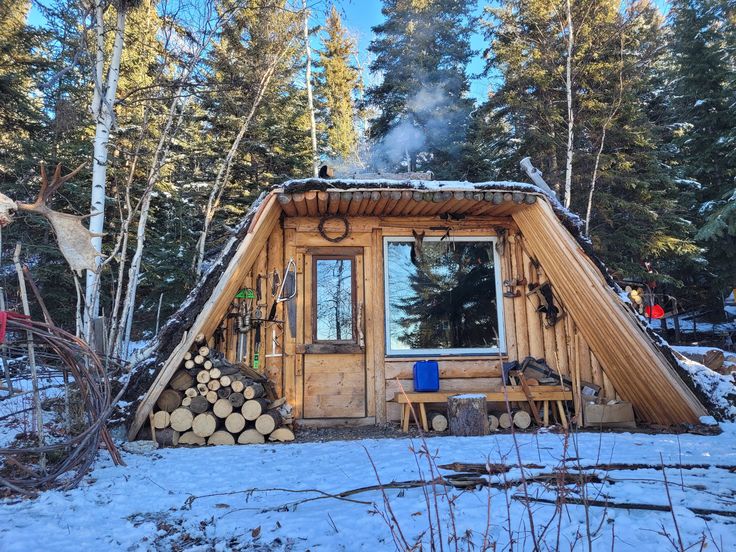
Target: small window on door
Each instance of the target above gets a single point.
(334, 290)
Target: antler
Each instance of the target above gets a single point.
(75, 241)
(48, 189)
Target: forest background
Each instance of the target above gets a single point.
(183, 111)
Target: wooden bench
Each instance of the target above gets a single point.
(541, 393)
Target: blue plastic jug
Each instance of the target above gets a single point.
(426, 375)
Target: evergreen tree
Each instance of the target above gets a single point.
(421, 52)
(618, 156)
(21, 117)
(703, 115)
(337, 84)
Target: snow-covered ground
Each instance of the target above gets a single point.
(247, 497)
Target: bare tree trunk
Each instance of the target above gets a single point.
(159, 158)
(310, 97)
(606, 125)
(570, 114)
(103, 112)
(223, 174)
(38, 413)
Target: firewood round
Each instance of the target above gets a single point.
(199, 404)
(251, 436)
(505, 421)
(282, 434)
(181, 381)
(235, 423)
(222, 408)
(190, 438)
(493, 422)
(202, 388)
(191, 392)
(237, 385)
(211, 397)
(253, 391)
(204, 351)
(224, 392)
(187, 356)
(225, 381)
(203, 376)
(161, 419)
(522, 419)
(207, 365)
(236, 399)
(199, 359)
(189, 364)
(221, 438)
(167, 437)
(267, 422)
(215, 373)
(204, 424)
(181, 419)
(254, 408)
(199, 338)
(169, 400)
(213, 385)
(437, 421)
(186, 401)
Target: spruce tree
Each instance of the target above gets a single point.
(422, 51)
(703, 114)
(337, 84)
(634, 217)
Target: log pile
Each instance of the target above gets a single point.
(210, 401)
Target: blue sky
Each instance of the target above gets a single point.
(361, 15)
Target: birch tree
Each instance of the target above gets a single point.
(103, 112)
(308, 83)
(570, 112)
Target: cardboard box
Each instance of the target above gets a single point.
(608, 414)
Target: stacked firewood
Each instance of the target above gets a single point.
(212, 401)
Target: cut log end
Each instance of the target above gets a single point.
(221, 438)
(204, 424)
(251, 437)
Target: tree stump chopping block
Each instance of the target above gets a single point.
(467, 415)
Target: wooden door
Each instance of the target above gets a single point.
(334, 345)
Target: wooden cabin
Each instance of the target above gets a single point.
(352, 281)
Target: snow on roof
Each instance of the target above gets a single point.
(305, 184)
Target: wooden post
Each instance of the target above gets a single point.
(38, 413)
(467, 415)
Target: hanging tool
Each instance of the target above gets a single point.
(286, 293)
(245, 298)
(546, 302)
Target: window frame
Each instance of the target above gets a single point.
(474, 351)
(353, 296)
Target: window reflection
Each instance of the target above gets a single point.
(334, 283)
(441, 295)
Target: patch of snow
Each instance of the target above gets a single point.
(251, 497)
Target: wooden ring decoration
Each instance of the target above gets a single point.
(335, 239)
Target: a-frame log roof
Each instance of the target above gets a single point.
(641, 366)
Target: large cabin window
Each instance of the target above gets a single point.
(443, 296)
(335, 299)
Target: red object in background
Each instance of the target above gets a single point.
(654, 312)
(4, 316)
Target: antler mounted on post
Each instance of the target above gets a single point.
(75, 241)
